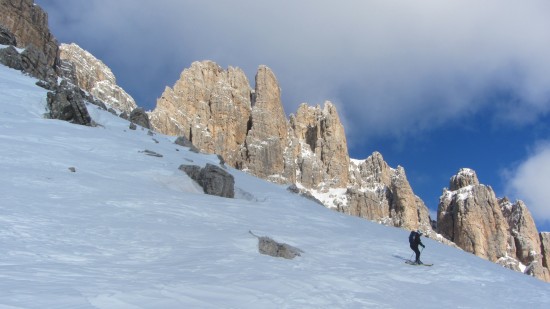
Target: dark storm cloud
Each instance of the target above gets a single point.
(390, 66)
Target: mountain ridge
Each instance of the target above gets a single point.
(220, 113)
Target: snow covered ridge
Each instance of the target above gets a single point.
(128, 230)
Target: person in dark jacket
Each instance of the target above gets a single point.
(414, 242)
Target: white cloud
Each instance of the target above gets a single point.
(530, 182)
(392, 67)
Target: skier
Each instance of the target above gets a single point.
(414, 241)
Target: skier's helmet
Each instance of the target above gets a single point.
(419, 231)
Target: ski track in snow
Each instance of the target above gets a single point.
(127, 230)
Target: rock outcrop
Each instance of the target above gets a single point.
(469, 215)
(140, 117)
(29, 60)
(67, 103)
(7, 37)
(216, 110)
(524, 242)
(270, 247)
(213, 179)
(545, 249)
(29, 23)
(210, 106)
(383, 194)
(323, 158)
(93, 76)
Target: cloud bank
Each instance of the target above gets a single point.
(392, 67)
(530, 182)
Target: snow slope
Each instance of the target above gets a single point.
(128, 230)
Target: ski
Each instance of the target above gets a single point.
(414, 264)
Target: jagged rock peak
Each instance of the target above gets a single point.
(93, 76)
(324, 151)
(465, 177)
(209, 106)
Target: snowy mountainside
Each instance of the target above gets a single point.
(128, 230)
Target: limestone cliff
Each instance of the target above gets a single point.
(93, 76)
(381, 193)
(322, 154)
(29, 23)
(524, 241)
(219, 113)
(471, 216)
(268, 137)
(210, 106)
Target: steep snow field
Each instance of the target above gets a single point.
(128, 230)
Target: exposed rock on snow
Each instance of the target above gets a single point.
(67, 103)
(29, 23)
(140, 117)
(10, 57)
(273, 248)
(213, 179)
(93, 76)
(383, 194)
(524, 241)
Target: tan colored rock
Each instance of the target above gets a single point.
(383, 194)
(210, 106)
(268, 138)
(93, 76)
(524, 240)
(29, 23)
(545, 249)
(323, 157)
(471, 217)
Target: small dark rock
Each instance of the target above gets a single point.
(132, 126)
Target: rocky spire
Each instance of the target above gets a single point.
(524, 242)
(465, 177)
(383, 194)
(210, 106)
(268, 136)
(92, 75)
(216, 110)
(470, 216)
(323, 157)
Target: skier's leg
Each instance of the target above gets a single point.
(417, 252)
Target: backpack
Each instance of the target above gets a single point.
(411, 237)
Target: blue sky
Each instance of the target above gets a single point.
(433, 85)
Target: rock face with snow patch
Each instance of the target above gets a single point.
(93, 76)
(322, 157)
(384, 194)
(524, 242)
(67, 103)
(29, 23)
(216, 110)
(469, 215)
